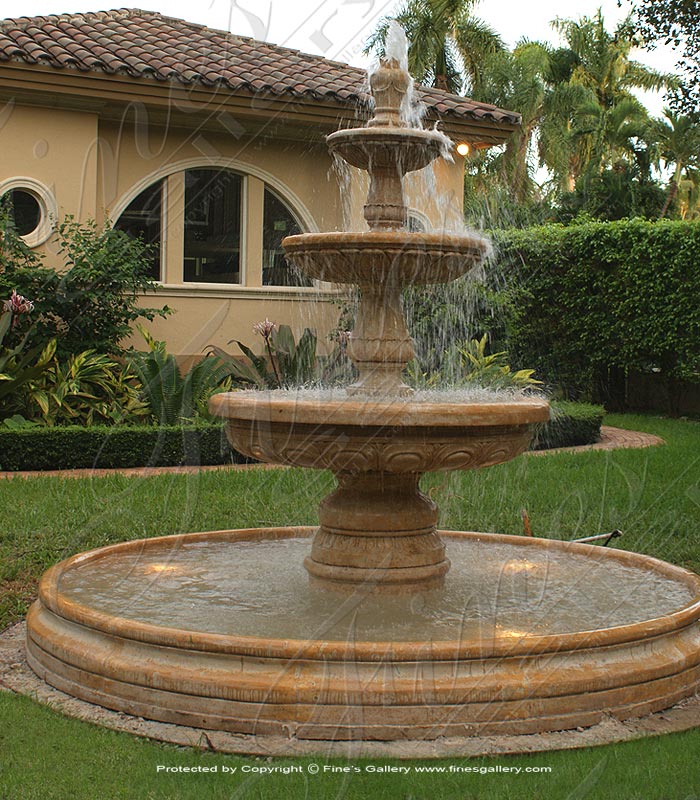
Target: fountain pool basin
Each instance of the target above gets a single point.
(223, 630)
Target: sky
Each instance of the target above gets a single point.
(337, 29)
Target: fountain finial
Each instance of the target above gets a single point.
(389, 85)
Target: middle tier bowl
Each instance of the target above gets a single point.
(374, 257)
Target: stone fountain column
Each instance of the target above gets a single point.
(377, 529)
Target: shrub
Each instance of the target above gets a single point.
(594, 298)
(19, 365)
(571, 424)
(93, 298)
(35, 385)
(123, 446)
(285, 362)
(84, 389)
(171, 396)
(439, 315)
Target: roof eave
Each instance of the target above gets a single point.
(45, 85)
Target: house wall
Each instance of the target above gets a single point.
(94, 166)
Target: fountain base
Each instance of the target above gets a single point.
(107, 628)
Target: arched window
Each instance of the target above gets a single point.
(415, 222)
(222, 227)
(212, 228)
(279, 221)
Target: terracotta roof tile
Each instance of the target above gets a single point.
(145, 44)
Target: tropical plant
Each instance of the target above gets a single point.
(517, 81)
(608, 114)
(86, 389)
(601, 60)
(689, 195)
(286, 363)
(447, 45)
(35, 387)
(678, 140)
(171, 396)
(19, 365)
(490, 370)
(620, 192)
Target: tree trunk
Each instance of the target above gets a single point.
(441, 82)
(672, 192)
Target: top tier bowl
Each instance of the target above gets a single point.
(400, 149)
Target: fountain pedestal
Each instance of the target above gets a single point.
(378, 529)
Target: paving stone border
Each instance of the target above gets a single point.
(610, 439)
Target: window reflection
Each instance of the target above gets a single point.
(278, 222)
(212, 226)
(142, 219)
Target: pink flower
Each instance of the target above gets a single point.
(17, 305)
(264, 328)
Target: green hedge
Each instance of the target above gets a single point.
(591, 302)
(75, 447)
(570, 424)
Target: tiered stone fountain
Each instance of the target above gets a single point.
(381, 638)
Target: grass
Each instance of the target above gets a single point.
(49, 757)
(652, 495)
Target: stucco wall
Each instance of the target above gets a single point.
(55, 148)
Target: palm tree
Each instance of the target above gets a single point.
(517, 81)
(593, 120)
(678, 138)
(447, 45)
(601, 60)
(689, 195)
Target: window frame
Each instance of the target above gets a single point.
(48, 209)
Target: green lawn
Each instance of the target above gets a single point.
(652, 495)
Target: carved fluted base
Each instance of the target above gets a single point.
(378, 532)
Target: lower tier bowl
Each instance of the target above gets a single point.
(223, 630)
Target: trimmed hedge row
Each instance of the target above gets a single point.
(571, 424)
(101, 447)
(594, 301)
(124, 446)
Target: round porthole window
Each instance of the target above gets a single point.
(32, 206)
